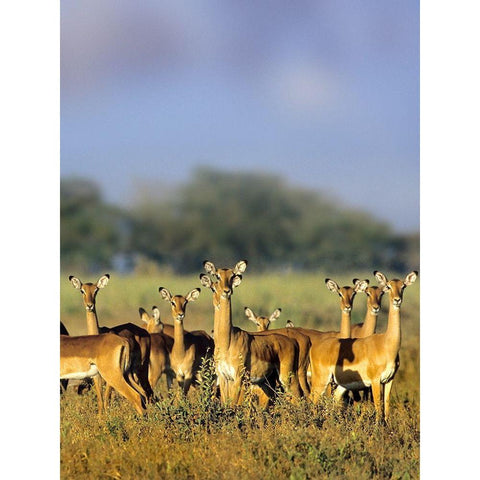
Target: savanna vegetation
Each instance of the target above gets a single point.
(293, 239)
(199, 438)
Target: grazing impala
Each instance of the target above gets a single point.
(106, 354)
(304, 343)
(160, 349)
(138, 337)
(357, 363)
(240, 354)
(189, 348)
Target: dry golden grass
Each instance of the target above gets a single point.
(197, 438)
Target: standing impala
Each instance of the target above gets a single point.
(374, 301)
(346, 294)
(189, 348)
(137, 336)
(106, 354)
(160, 348)
(304, 343)
(239, 353)
(357, 363)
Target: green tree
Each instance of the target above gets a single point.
(91, 232)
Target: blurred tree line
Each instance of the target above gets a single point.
(225, 217)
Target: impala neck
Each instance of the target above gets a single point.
(369, 324)
(222, 323)
(178, 338)
(393, 332)
(92, 322)
(345, 325)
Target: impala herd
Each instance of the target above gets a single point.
(302, 362)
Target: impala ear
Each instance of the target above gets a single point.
(75, 282)
(206, 281)
(250, 315)
(143, 315)
(275, 314)
(103, 280)
(193, 295)
(236, 281)
(332, 285)
(289, 324)
(381, 278)
(166, 295)
(411, 277)
(156, 315)
(240, 267)
(209, 267)
(360, 285)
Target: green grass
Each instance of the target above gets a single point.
(199, 438)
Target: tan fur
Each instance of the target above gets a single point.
(304, 343)
(374, 301)
(139, 339)
(189, 348)
(357, 363)
(160, 349)
(109, 354)
(238, 353)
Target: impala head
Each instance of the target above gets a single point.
(395, 287)
(262, 323)
(374, 298)
(154, 324)
(347, 293)
(89, 290)
(178, 303)
(222, 281)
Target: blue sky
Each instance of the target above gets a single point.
(323, 93)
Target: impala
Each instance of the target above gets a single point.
(357, 363)
(346, 294)
(360, 330)
(240, 354)
(160, 349)
(138, 337)
(108, 355)
(189, 348)
(374, 302)
(304, 343)
(155, 325)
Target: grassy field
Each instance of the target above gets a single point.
(196, 438)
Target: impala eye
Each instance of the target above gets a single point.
(82, 291)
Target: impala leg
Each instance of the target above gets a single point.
(98, 388)
(302, 378)
(170, 378)
(320, 380)
(338, 394)
(236, 389)
(386, 398)
(377, 399)
(118, 382)
(186, 385)
(154, 375)
(107, 395)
